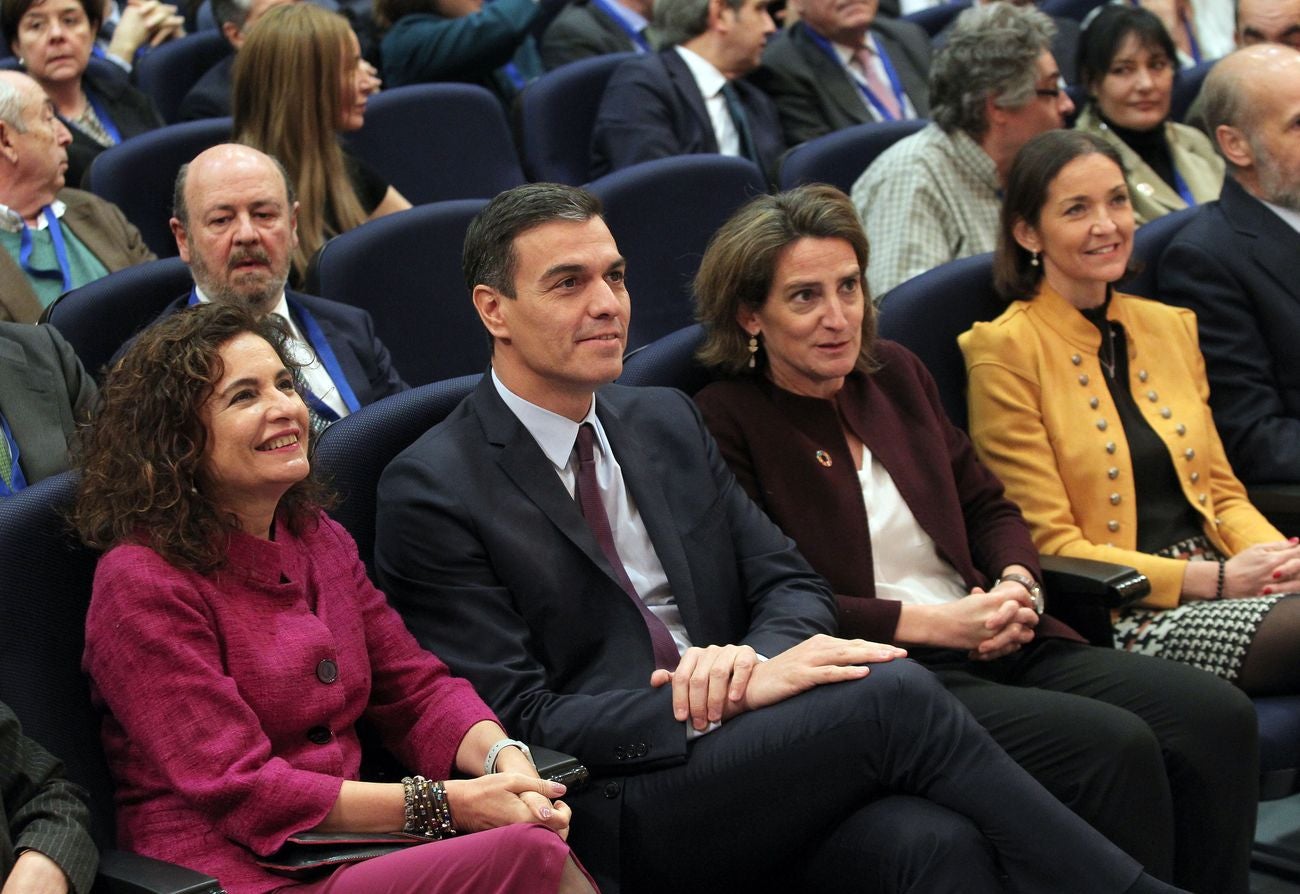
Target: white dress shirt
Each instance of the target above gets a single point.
(710, 81)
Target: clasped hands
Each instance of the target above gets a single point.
(715, 683)
(514, 794)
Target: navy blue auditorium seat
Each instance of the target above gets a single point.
(935, 18)
(139, 174)
(47, 580)
(1149, 243)
(1069, 9)
(353, 452)
(556, 115)
(101, 316)
(168, 72)
(662, 214)
(839, 158)
(1187, 85)
(405, 269)
(435, 142)
(669, 362)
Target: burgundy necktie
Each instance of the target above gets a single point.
(587, 493)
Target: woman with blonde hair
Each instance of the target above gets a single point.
(297, 48)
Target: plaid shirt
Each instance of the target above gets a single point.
(929, 199)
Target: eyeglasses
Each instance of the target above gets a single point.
(1053, 92)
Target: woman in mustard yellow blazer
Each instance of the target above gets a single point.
(1090, 405)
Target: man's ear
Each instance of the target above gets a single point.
(1234, 146)
(234, 34)
(8, 150)
(182, 239)
(721, 16)
(488, 302)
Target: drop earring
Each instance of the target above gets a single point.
(753, 350)
(1033, 259)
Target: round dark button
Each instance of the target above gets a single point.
(320, 735)
(619, 753)
(327, 671)
(642, 750)
(611, 790)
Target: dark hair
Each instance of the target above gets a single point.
(740, 263)
(1106, 33)
(232, 11)
(489, 257)
(1036, 166)
(142, 457)
(386, 13)
(12, 12)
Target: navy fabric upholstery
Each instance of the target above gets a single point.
(168, 72)
(669, 362)
(935, 18)
(1149, 244)
(839, 158)
(556, 115)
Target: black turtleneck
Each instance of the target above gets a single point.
(1150, 145)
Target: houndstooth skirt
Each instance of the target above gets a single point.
(1212, 635)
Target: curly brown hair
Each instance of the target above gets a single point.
(141, 458)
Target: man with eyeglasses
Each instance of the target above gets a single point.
(935, 196)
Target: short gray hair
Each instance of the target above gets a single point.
(993, 51)
(677, 21)
(233, 11)
(11, 106)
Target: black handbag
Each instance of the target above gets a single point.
(309, 854)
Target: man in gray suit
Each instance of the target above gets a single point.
(54, 239)
(596, 28)
(44, 393)
(841, 65)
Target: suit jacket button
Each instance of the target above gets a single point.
(619, 753)
(611, 790)
(327, 671)
(320, 735)
(642, 750)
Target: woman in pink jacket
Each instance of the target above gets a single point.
(233, 642)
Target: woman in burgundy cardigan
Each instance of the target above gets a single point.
(843, 441)
(233, 641)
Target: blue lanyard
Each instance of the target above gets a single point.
(60, 250)
(637, 37)
(321, 346)
(1183, 189)
(19, 480)
(894, 83)
(104, 121)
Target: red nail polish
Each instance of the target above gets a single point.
(1277, 575)
(1268, 591)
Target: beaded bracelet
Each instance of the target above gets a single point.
(1218, 590)
(427, 810)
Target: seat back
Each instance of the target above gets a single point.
(927, 313)
(557, 113)
(1149, 243)
(1187, 86)
(405, 269)
(47, 578)
(353, 452)
(101, 316)
(669, 362)
(1069, 9)
(935, 18)
(435, 142)
(168, 72)
(139, 175)
(839, 158)
(662, 214)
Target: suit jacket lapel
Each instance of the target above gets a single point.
(525, 464)
(1274, 244)
(641, 476)
(837, 83)
(684, 84)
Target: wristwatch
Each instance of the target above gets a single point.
(1035, 591)
(490, 763)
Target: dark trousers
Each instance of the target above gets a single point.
(797, 788)
(1159, 757)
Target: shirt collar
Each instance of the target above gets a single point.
(12, 222)
(706, 75)
(845, 53)
(554, 433)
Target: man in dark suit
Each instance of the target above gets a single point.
(579, 587)
(235, 226)
(841, 65)
(1235, 263)
(210, 95)
(596, 28)
(690, 98)
(71, 237)
(44, 393)
(45, 843)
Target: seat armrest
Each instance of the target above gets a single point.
(559, 767)
(1115, 585)
(122, 872)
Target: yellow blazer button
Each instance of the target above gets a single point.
(1114, 499)
(1093, 403)
(1195, 476)
(1101, 424)
(1180, 428)
(1076, 359)
(1165, 412)
(1110, 446)
(1112, 526)
(1083, 379)
(1152, 396)
(1189, 453)
(1201, 498)
(1142, 375)
(1112, 473)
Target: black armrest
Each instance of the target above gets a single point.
(1115, 585)
(1280, 503)
(122, 872)
(559, 767)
